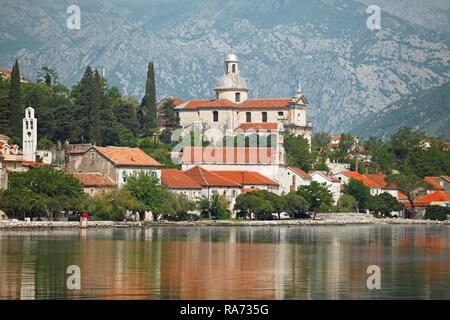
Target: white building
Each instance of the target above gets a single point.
(333, 184)
(29, 137)
(231, 109)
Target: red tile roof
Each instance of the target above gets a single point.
(176, 101)
(177, 179)
(33, 164)
(248, 104)
(96, 179)
(425, 201)
(246, 177)
(246, 190)
(200, 155)
(125, 156)
(380, 180)
(300, 172)
(257, 126)
(207, 178)
(432, 181)
(4, 136)
(77, 149)
(359, 177)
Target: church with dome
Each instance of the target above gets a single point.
(233, 112)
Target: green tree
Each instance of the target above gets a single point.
(411, 186)
(147, 112)
(48, 76)
(298, 153)
(317, 195)
(384, 204)
(169, 120)
(114, 205)
(360, 192)
(346, 203)
(213, 207)
(147, 190)
(295, 204)
(11, 112)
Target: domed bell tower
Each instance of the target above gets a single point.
(29, 136)
(231, 85)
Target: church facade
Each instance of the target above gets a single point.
(233, 112)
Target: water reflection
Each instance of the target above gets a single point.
(227, 263)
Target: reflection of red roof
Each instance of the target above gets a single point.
(125, 156)
(424, 201)
(209, 179)
(432, 181)
(300, 172)
(96, 179)
(246, 177)
(248, 104)
(257, 126)
(176, 179)
(220, 155)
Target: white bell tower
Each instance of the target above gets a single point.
(29, 137)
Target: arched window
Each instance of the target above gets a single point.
(215, 116)
(26, 125)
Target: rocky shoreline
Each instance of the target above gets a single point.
(322, 220)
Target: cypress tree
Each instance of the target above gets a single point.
(11, 109)
(15, 105)
(147, 110)
(82, 94)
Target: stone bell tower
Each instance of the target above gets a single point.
(29, 139)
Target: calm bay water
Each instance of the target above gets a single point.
(228, 263)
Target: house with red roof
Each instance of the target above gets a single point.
(441, 183)
(213, 183)
(332, 183)
(116, 163)
(179, 182)
(292, 178)
(377, 183)
(437, 198)
(95, 183)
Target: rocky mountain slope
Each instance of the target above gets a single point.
(427, 111)
(347, 71)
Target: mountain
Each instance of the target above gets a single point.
(347, 71)
(426, 111)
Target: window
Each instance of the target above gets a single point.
(280, 113)
(248, 116)
(26, 124)
(92, 192)
(233, 68)
(237, 97)
(215, 116)
(264, 117)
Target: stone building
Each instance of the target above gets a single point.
(116, 163)
(95, 183)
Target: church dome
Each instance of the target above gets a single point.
(231, 82)
(231, 58)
